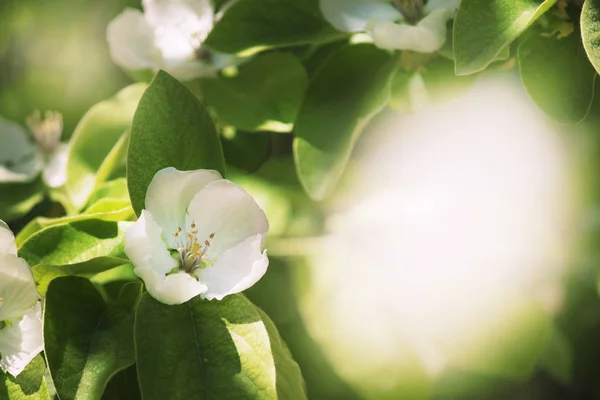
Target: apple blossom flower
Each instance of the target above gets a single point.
(200, 234)
(168, 35)
(21, 335)
(417, 25)
(21, 160)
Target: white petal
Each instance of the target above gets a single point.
(354, 15)
(55, 172)
(21, 342)
(131, 41)
(170, 193)
(145, 247)
(449, 5)
(230, 212)
(235, 270)
(7, 240)
(172, 289)
(428, 36)
(19, 158)
(17, 287)
(179, 26)
(189, 70)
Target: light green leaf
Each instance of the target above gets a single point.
(114, 189)
(18, 199)
(590, 31)
(44, 274)
(211, 349)
(484, 28)
(558, 76)
(266, 93)
(249, 26)
(29, 385)
(346, 92)
(94, 138)
(171, 128)
(86, 340)
(75, 242)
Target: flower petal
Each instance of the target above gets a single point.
(428, 36)
(354, 15)
(235, 270)
(230, 212)
(17, 287)
(22, 341)
(55, 172)
(170, 193)
(145, 247)
(19, 158)
(7, 240)
(172, 289)
(131, 41)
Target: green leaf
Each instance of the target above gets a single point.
(558, 76)
(45, 274)
(123, 386)
(557, 358)
(249, 26)
(98, 132)
(351, 88)
(29, 385)
(114, 189)
(171, 128)
(86, 340)
(210, 350)
(246, 151)
(590, 31)
(483, 29)
(266, 93)
(75, 242)
(18, 199)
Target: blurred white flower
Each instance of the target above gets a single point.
(21, 160)
(417, 25)
(21, 335)
(199, 235)
(168, 35)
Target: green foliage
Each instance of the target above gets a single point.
(18, 199)
(87, 340)
(96, 147)
(564, 87)
(249, 26)
(220, 349)
(171, 128)
(483, 28)
(246, 151)
(265, 94)
(346, 92)
(29, 385)
(590, 31)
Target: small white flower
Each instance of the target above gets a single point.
(417, 25)
(168, 35)
(199, 235)
(21, 335)
(21, 160)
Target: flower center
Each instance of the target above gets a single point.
(412, 10)
(3, 324)
(192, 253)
(47, 131)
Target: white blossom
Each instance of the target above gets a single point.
(417, 25)
(199, 235)
(168, 35)
(21, 159)
(21, 335)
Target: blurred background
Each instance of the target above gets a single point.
(457, 262)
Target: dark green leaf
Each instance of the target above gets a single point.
(246, 151)
(558, 76)
(252, 25)
(210, 350)
(123, 386)
(352, 87)
(18, 199)
(590, 30)
(265, 94)
(86, 340)
(171, 128)
(483, 29)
